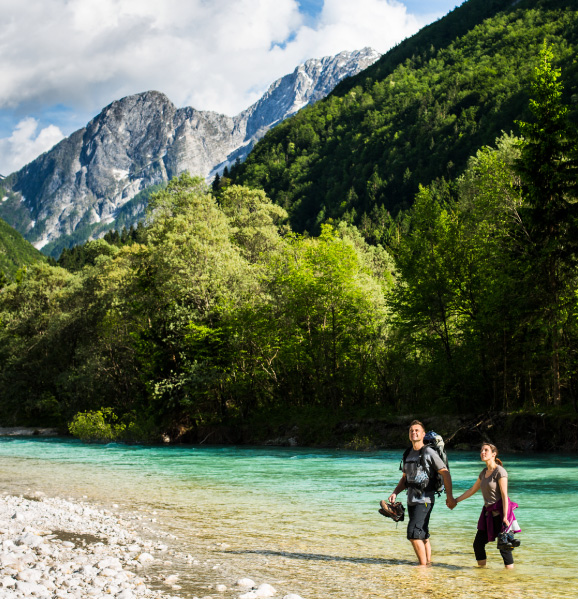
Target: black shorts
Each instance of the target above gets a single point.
(418, 525)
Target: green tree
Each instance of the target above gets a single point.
(428, 260)
(255, 221)
(330, 313)
(191, 276)
(549, 172)
(36, 321)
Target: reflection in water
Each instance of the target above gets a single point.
(306, 521)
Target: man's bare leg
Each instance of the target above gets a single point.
(427, 551)
(422, 549)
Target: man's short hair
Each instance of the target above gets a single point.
(414, 422)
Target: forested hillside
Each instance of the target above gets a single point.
(15, 252)
(414, 116)
(217, 311)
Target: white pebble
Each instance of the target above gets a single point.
(108, 572)
(30, 575)
(109, 562)
(221, 588)
(7, 581)
(249, 595)
(265, 590)
(245, 583)
(111, 589)
(29, 539)
(145, 557)
(292, 596)
(29, 588)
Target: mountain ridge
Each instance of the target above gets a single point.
(144, 140)
(417, 114)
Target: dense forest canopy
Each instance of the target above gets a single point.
(416, 115)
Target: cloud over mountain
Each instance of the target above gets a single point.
(219, 55)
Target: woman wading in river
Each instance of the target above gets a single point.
(498, 511)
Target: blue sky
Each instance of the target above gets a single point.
(62, 61)
(423, 7)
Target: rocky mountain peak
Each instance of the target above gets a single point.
(308, 83)
(79, 188)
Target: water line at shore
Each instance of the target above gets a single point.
(306, 520)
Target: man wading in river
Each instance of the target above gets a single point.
(420, 498)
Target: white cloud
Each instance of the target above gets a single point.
(352, 25)
(211, 54)
(25, 144)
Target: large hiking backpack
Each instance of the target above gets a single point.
(436, 442)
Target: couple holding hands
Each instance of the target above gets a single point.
(497, 513)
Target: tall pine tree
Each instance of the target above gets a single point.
(549, 173)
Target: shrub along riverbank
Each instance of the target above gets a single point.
(520, 431)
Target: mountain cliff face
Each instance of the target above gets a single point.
(144, 140)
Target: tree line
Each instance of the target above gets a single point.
(218, 311)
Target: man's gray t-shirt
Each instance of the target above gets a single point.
(433, 464)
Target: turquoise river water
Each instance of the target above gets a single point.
(306, 520)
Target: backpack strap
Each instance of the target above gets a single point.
(431, 472)
(422, 458)
(404, 458)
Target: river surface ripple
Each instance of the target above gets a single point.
(306, 520)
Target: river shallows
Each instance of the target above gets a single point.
(306, 520)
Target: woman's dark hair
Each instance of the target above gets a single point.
(494, 450)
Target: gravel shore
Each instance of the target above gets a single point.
(54, 548)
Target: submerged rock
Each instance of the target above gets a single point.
(265, 590)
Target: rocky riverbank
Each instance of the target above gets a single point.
(54, 548)
(511, 432)
(27, 431)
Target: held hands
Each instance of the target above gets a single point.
(451, 502)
